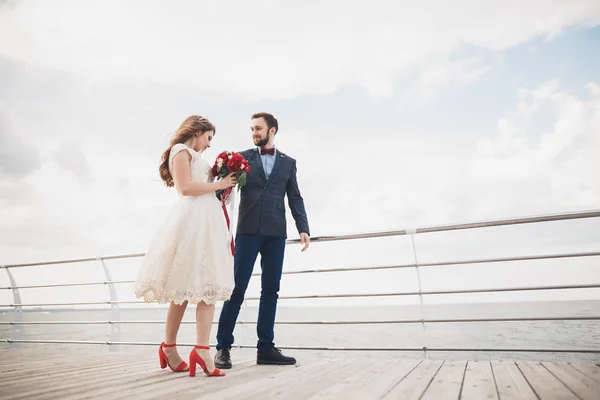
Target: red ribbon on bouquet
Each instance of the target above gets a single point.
(225, 194)
(228, 162)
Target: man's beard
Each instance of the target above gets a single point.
(262, 142)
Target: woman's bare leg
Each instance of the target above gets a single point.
(204, 318)
(174, 317)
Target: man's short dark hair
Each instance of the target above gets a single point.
(269, 119)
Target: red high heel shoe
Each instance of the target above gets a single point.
(195, 358)
(164, 360)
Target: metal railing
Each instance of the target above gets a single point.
(17, 306)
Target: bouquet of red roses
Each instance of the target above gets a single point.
(228, 162)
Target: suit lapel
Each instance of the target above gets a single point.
(278, 158)
(258, 165)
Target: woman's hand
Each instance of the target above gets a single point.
(229, 181)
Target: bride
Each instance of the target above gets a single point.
(188, 260)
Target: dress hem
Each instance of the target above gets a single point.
(149, 297)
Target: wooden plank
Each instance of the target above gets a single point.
(186, 386)
(73, 359)
(22, 361)
(583, 386)
(241, 373)
(589, 370)
(41, 371)
(416, 382)
(369, 383)
(510, 381)
(103, 382)
(149, 384)
(447, 382)
(277, 378)
(352, 381)
(306, 386)
(479, 381)
(393, 377)
(25, 358)
(86, 381)
(545, 385)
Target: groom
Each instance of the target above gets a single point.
(262, 229)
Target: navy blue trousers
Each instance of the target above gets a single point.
(247, 248)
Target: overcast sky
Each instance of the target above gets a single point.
(400, 114)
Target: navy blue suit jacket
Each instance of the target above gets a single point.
(262, 207)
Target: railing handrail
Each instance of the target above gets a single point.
(452, 227)
(366, 235)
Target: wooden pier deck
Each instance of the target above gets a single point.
(44, 372)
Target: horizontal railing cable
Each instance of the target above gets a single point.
(373, 322)
(74, 284)
(342, 295)
(350, 269)
(325, 348)
(74, 260)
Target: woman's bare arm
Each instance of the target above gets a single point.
(182, 177)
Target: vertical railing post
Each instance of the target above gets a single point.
(17, 327)
(243, 326)
(115, 329)
(412, 233)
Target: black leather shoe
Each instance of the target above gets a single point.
(274, 357)
(223, 359)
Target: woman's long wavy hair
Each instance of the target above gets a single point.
(188, 128)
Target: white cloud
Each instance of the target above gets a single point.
(593, 88)
(531, 99)
(18, 156)
(70, 157)
(275, 51)
(564, 160)
(437, 76)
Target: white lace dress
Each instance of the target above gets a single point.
(189, 258)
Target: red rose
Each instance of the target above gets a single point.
(246, 166)
(235, 163)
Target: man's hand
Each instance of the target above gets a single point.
(305, 240)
